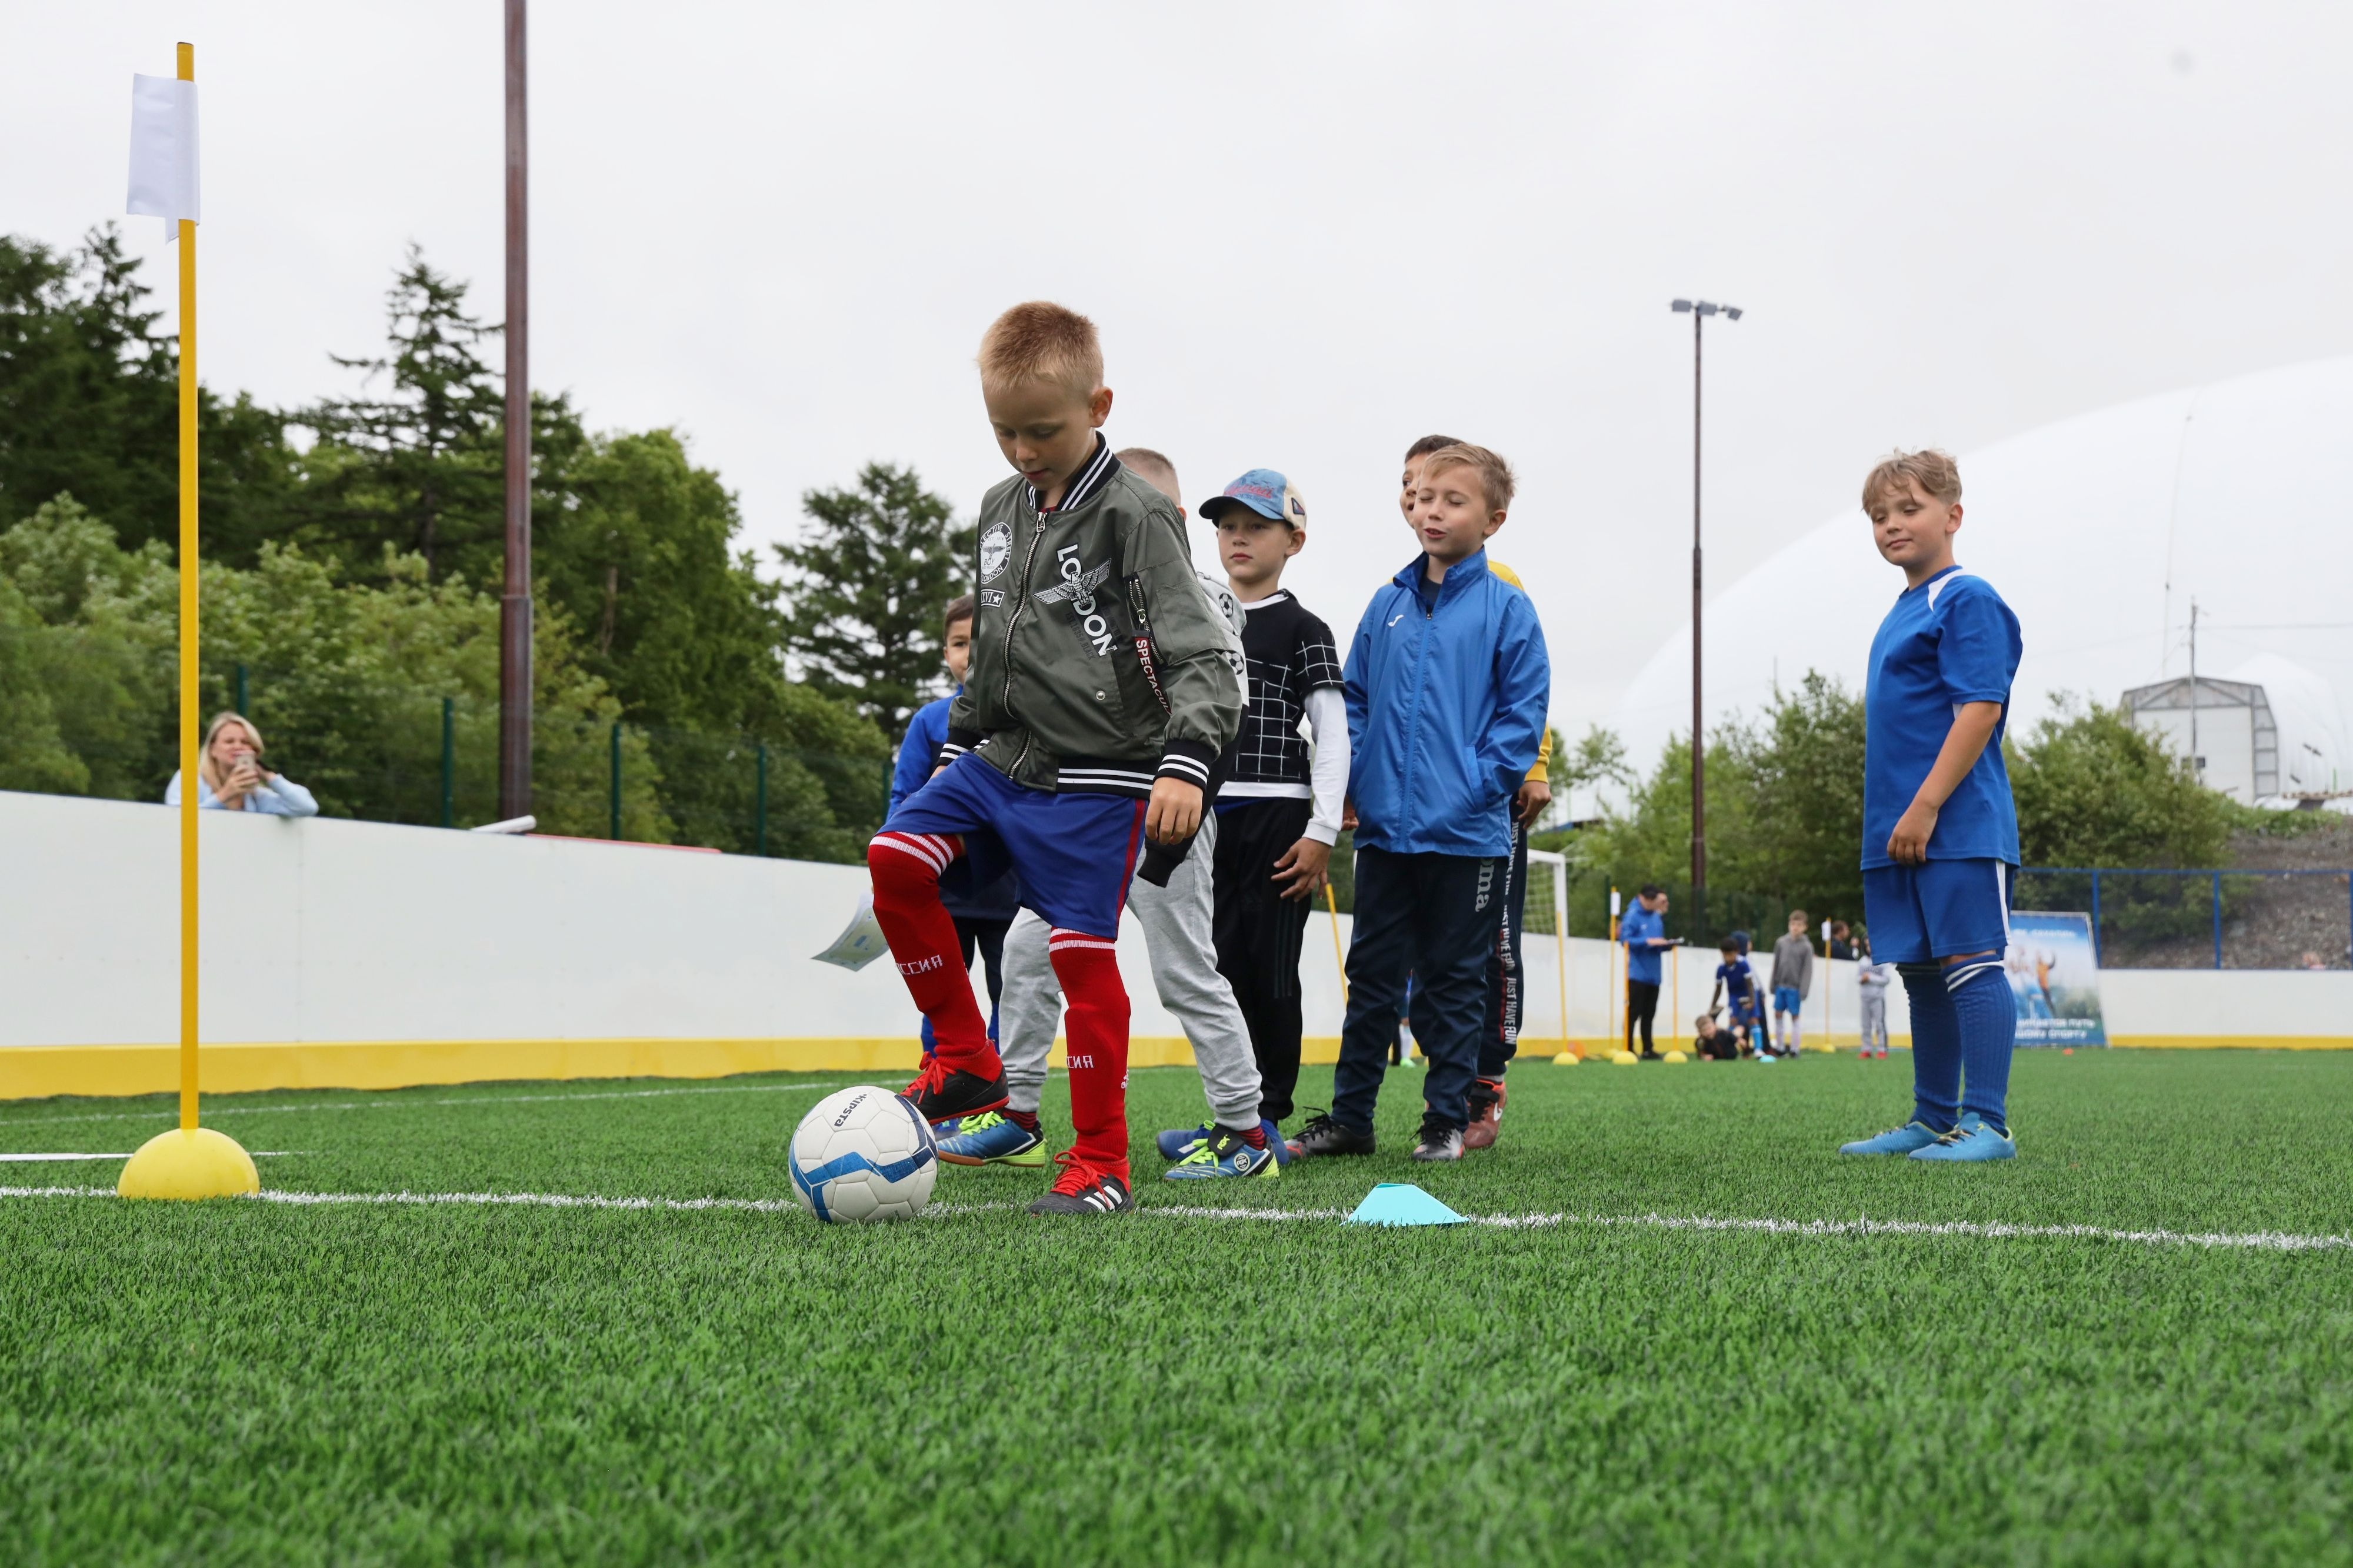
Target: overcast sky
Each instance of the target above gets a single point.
(1308, 233)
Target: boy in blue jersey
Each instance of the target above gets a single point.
(1446, 684)
(1737, 982)
(982, 914)
(1939, 830)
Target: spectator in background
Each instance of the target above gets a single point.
(1842, 940)
(231, 778)
(2313, 960)
(1644, 931)
(1870, 980)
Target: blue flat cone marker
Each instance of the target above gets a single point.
(1402, 1203)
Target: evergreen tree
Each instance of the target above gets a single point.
(421, 467)
(870, 578)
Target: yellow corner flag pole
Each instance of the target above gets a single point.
(1339, 962)
(192, 1162)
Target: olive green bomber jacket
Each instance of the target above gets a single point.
(1098, 663)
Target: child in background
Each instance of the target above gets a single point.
(1793, 981)
(1939, 828)
(1714, 1044)
(1447, 683)
(1759, 1043)
(982, 914)
(1278, 807)
(1499, 1039)
(1099, 696)
(1737, 982)
(1871, 978)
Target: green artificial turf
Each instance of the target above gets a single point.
(242, 1382)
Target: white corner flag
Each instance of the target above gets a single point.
(164, 150)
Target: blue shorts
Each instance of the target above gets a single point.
(1943, 908)
(1075, 854)
(1787, 1000)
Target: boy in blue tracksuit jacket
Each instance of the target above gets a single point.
(1447, 683)
(982, 912)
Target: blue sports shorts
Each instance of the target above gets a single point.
(1075, 853)
(1787, 1000)
(1941, 910)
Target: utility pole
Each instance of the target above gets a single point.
(514, 604)
(1699, 310)
(2197, 761)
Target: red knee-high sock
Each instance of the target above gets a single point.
(1088, 968)
(906, 868)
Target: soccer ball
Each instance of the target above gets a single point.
(862, 1154)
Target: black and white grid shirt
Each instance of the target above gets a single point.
(1295, 675)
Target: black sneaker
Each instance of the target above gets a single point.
(1082, 1189)
(1439, 1140)
(1321, 1135)
(941, 1093)
(1651, 1057)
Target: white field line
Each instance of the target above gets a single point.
(389, 1103)
(2253, 1241)
(42, 1159)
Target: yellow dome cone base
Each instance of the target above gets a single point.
(198, 1164)
(1677, 1057)
(1624, 1058)
(1566, 1059)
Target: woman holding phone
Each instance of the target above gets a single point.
(231, 778)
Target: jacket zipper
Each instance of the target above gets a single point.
(1012, 623)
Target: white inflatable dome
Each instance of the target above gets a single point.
(2099, 530)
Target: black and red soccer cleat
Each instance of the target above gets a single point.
(1083, 1189)
(942, 1093)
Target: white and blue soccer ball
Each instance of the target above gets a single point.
(863, 1154)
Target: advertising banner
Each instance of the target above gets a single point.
(2054, 978)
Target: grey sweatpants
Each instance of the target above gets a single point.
(1874, 1018)
(1177, 936)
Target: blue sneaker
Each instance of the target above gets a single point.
(1903, 1140)
(1223, 1153)
(1283, 1152)
(1177, 1142)
(990, 1138)
(1971, 1142)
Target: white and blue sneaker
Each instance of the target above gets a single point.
(992, 1138)
(1224, 1153)
(1968, 1142)
(1178, 1141)
(1903, 1139)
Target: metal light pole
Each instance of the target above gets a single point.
(1699, 310)
(514, 604)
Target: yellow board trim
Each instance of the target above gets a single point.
(36, 1072)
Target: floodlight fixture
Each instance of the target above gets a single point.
(1699, 310)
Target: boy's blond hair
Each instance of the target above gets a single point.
(1934, 472)
(1496, 481)
(1040, 341)
(1152, 468)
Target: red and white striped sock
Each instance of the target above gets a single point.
(906, 869)
(1088, 968)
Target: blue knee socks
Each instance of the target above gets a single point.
(1988, 1029)
(1936, 1046)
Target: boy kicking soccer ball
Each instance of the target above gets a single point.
(1176, 915)
(1939, 830)
(1098, 696)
